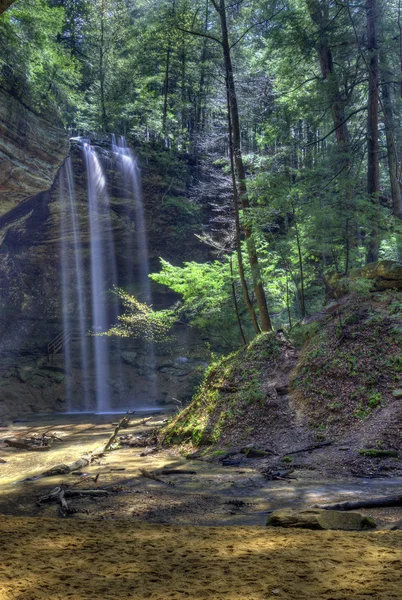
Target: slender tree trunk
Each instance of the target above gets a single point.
(241, 173)
(393, 161)
(287, 300)
(373, 170)
(199, 120)
(235, 303)
(102, 69)
(166, 91)
(301, 270)
(319, 14)
(247, 299)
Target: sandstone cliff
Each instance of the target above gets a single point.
(32, 149)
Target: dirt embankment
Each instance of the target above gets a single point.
(337, 379)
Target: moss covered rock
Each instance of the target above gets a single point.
(316, 518)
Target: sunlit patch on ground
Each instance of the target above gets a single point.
(64, 559)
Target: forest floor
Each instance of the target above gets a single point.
(145, 541)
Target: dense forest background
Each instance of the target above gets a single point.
(293, 105)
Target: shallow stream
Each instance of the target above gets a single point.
(213, 495)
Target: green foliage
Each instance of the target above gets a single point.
(376, 453)
(34, 66)
(141, 321)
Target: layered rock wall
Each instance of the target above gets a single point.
(32, 148)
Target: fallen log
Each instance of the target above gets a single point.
(28, 446)
(60, 493)
(370, 503)
(309, 448)
(150, 475)
(177, 472)
(230, 453)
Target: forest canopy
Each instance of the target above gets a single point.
(297, 104)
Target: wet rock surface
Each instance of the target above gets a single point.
(30, 288)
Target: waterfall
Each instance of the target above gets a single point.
(72, 282)
(127, 164)
(87, 281)
(103, 273)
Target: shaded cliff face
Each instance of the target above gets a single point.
(31, 303)
(32, 149)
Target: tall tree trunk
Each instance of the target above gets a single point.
(392, 151)
(319, 14)
(166, 91)
(102, 69)
(199, 120)
(246, 295)
(4, 4)
(236, 305)
(373, 170)
(241, 173)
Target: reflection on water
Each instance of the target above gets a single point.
(83, 433)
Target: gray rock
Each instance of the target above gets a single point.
(131, 358)
(316, 518)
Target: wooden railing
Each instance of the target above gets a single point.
(57, 344)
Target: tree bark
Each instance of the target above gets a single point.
(166, 91)
(4, 4)
(240, 171)
(373, 170)
(392, 152)
(246, 295)
(236, 306)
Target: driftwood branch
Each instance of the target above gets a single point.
(150, 475)
(120, 424)
(309, 448)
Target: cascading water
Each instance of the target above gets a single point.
(103, 272)
(93, 279)
(73, 290)
(127, 164)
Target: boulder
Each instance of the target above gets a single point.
(387, 274)
(316, 518)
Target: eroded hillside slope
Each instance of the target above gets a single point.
(335, 383)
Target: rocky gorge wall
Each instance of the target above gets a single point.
(31, 303)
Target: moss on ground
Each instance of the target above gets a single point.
(352, 365)
(232, 387)
(349, 371)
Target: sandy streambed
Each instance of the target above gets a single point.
(213, 495)
(79, 560)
